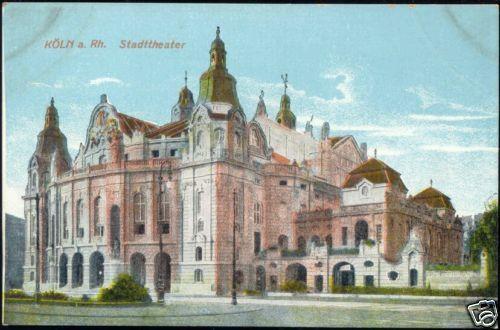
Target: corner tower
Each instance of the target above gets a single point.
(183, 109)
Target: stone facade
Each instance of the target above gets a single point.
(301, 208)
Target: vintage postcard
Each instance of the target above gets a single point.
(313, 165)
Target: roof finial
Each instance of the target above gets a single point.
(285, 80)
(375, 153)
(185, 78)
(431, 182)
(217, 32)
(52, 101)
(261, 96)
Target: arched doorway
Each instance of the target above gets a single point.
(360, 231)
(138, 268)
(260, 278)
(63, 270)
(296, 272)
(77, 270)
(239, 278)
(343, 274)
(96, 270)
(315, 240)
(162, 271)
(413, 277)
(115, 231)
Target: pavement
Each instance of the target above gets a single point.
(250, 311)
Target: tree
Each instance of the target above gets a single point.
(485, 236)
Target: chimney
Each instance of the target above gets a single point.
(104, 98)
(364, 150)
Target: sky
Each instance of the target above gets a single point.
(418, 83)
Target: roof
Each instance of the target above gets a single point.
(334, 139)
(128, 124)
(375, 171)
(434, 198)
(170, 129)
(280, 159)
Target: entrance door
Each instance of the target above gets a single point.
(318, 283)
(369, 280)
(413, 277)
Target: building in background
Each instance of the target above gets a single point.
(469, 223)
(14, 249)
(306, 208)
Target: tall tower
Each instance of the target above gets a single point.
(285, 116)
(216, 84)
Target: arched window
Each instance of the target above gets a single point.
(257, 208)
(199, 199)
(254, 138)
(198, 275)
(199, 138)
(77, 270)
(283, 242)
(360, 231)
(96, 270)
(219, 136)
(301, 244)
(65, 221)
(63, 270)
(329, 241)
(102, 159)
(198, 254)
(316, 240)
(199, 225)
(237, 140)
(164, 213)
(33, 181)
(79, 218)
(98, 225)
(139, 214)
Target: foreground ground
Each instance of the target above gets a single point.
(251, 312)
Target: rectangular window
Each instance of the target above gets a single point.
(139, 229)
(379, 233)
(344, 235)
(173, 152)
(274, 282)
(126, 157)
(256, 243)
(283, 183)
(165, 228)
(369, 280)
(80, 232)
(100, 230)
(198, 202)
(155, 153)
(303, 186)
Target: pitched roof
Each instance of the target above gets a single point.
(170, 129)
(434, 198)
(334, 139)
(128, 124)
(280, 159)
(375, 171)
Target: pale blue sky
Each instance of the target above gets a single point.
(419, 84)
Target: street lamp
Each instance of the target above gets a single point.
(160, 281)
(37, 256)
(233, 293)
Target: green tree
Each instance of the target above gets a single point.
(485, 236)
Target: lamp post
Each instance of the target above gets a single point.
(233, 292)
(37, 253)
(160, 281)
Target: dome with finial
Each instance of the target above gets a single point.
(216, 84)
(51, 116)
(183, 108)
(285, 115)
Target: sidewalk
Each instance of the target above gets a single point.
(316, 299)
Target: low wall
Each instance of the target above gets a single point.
(453, 279)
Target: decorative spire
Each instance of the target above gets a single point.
(52, 101)
(51, 116)
(217, 33)
(285, 81)
(431, 182)
(261, 106)
(375, 153)
(185, 79)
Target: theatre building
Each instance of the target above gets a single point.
(313, 209)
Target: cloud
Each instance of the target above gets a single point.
(457, 148)
(375, 130)
(105, 80)
(447, 118)
(429, 98)
(343, 79)
(44, 85)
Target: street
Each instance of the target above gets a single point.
(249, 312)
